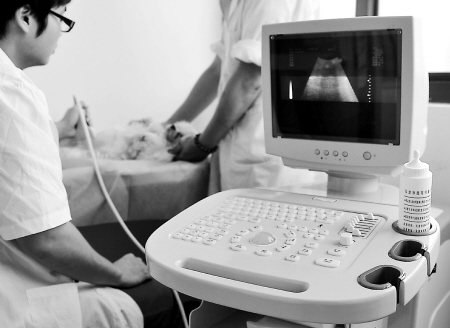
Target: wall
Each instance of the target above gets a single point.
(130, 59)
(437, 153)
(138, 58)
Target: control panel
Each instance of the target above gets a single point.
(293, 256)
(283, 231)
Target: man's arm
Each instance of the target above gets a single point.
(64, 250)
(240, 93)
(201, 96)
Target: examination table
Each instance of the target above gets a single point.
(140, 189)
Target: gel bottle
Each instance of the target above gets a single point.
(415, 196)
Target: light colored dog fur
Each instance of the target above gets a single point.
(139, 140)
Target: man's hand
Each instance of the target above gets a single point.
(70, 125)
(189, 152)
(64, 250)
(134, 270)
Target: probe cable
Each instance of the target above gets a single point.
(111, 204)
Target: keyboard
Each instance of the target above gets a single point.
(281, 230)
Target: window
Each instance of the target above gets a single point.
(435, 24)
(337, 9)
(436, 39)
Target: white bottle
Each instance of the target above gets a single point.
(415, 196)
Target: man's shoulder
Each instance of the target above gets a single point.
(10, 75)
(13, 80)
(10, 71)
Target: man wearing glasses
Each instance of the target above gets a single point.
(42, 254)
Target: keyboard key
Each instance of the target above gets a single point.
(326, 262)
(178, 235)
(238, 247)
(242, 232)
(312, 245)
(305, 251)
(187, 237)
(209, 241)
(283, 248)
(290, 241)
(256, 228)
(290, 234)
(293, 257)
(236, 239)
(337, 251)
(263, 252)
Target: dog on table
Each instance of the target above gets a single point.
(142, 139)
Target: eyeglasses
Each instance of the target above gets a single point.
(68, 23)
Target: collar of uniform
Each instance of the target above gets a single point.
(4, 58)
(12, 68)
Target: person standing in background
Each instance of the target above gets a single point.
(235, 133)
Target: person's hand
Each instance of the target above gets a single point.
(134, 270)
(188, 151)
(70, 125)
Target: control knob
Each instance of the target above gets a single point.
(346, 239)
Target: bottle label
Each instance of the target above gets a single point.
(415, 210)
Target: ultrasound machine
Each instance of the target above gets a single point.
(348, 97)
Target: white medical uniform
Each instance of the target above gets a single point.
(32, 200)
(241, 160)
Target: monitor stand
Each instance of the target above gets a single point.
(352, 183)
(344, 186)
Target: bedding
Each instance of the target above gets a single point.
(140, 189)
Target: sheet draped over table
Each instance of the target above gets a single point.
(140, 189)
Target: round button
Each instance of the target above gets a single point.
(263, 239)
(335, 153)
(367, 155)
(326, 152)
(345, 154)
(317, 152)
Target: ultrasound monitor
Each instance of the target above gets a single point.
(348, 97)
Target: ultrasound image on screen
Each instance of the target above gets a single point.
(340, 86)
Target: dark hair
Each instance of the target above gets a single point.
(39, 9)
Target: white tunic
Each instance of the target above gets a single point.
(33, 199)
(241, 160)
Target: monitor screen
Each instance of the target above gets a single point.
(345, 96)
(337, 86)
